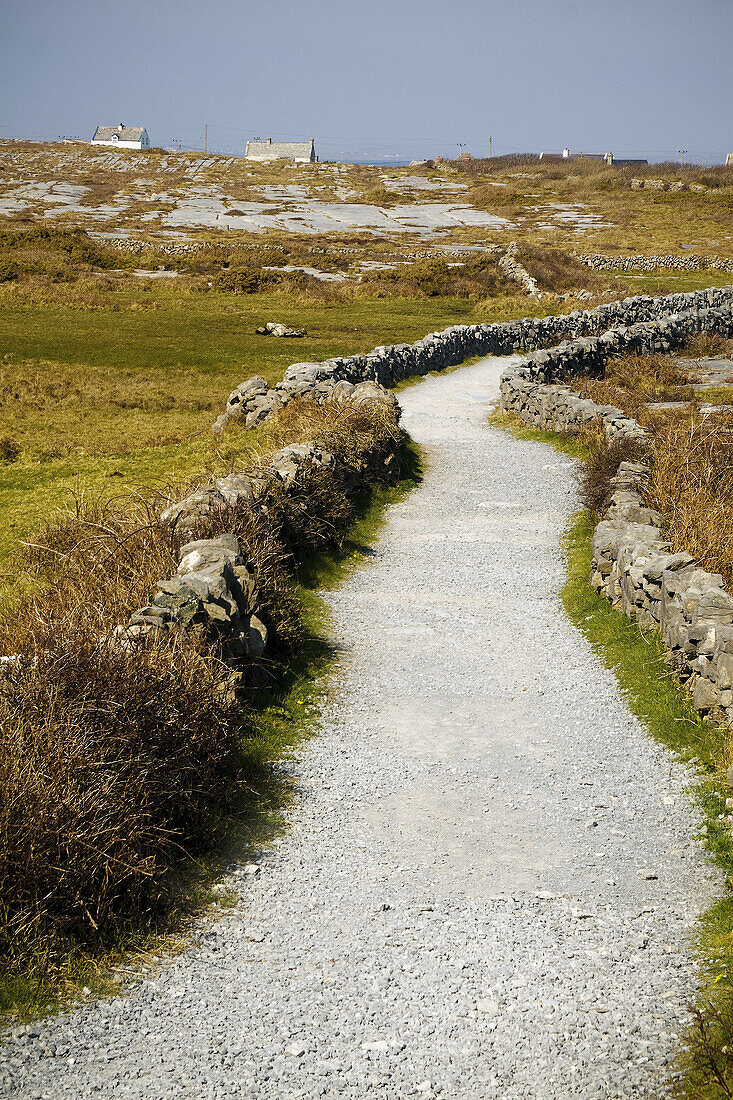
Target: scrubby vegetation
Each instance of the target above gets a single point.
(120, 764)
(632, 382)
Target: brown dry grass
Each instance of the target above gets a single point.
(692, 486)
(706, 345)
(117, 765)
(632, 381)
(559, 272)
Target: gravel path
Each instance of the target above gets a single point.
(457, 909)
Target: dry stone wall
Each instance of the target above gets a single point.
(534, 390)
(254, 400)
(558, 409)
(692, 262)
(213, 589)
(633, 564)
(512, 268)
(635, 568)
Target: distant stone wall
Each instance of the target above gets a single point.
(634, 567)
(252, 401)
(530, 389)
(665, 185)
(690, 262)
(513, 270)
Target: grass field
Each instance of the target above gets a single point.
(110, 401)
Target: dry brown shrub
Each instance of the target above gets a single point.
(559, 272)
(692, 486)
(604, 459)
(478, 277)
(111, 764)
(630, 382)
(117, 763)
(706, 345)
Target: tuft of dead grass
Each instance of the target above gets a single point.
(602, 460)
(692, 486)
(706, 345)
(631, 382)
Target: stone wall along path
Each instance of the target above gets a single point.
(490, 877)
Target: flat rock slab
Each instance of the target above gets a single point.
(707, 372)
(489, 881)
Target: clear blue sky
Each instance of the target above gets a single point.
(397, 78)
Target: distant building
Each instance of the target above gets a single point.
(301, 152)
(125, 137)
(607, 157)
(567, 155)
(729, 160)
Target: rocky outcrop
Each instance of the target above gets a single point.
(276, 328)
(635, 568)
(389, 365)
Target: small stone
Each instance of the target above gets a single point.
(251, 869)
(645, 873)
(295, 1050)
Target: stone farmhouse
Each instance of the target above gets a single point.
(125, 137)
(300, 152)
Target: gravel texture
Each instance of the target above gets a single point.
(490, 878)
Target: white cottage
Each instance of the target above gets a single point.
(125, 137)
(301, 152)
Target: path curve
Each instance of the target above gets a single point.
(456, 910)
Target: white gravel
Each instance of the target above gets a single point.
(463, 905)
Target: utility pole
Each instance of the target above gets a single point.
(682, 156)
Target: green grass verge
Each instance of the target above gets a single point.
(283, 716)
(120, 398)
(658, 700)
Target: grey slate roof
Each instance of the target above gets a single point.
(127, 133)
(281, 150)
